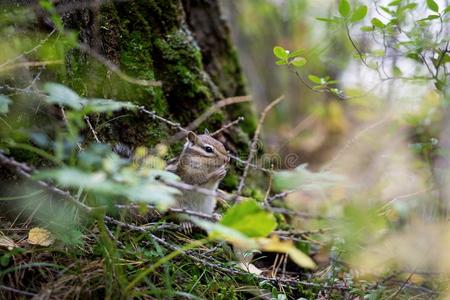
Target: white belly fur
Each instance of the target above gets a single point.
(199, 202)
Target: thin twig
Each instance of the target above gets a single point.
(212, 109)
(279, 195)
(13, 290)
(402, 286)
(269, 187)
(225, 127)
(355, 139)
(42, 42)
(361, 57)
(115, 69)
(80, 148)
(94, 133)
(168, 122)
(289, 212)
(253, 147)
(29, 64)
(245, 163)
(173, 210)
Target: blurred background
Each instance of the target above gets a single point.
(383, 137)
(315, 125)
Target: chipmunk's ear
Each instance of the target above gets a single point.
(206, 131)
(192, 137)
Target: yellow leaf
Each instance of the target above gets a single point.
(40, 236)
(274, 244)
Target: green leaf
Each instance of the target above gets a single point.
(433, 5)
(280, 52)
(249, 219)
(328, 20)
(367, 28)
(446, 10)
(414, 56)
(397, 71)
(222, 232)
(124, 183)
(298, 62)
(72, 177)
(315, 79)
(157, 193)
(377, 23)
(4, 104)
(378, 52)
(359, 14)
(296, 53)
(281, 62)
(387, 10)
(429, 18)
(409, 6)
(395, 3)
(446, 58)
(344, 8)
(62, 95)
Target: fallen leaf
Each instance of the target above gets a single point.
(274, 244)
(251, 268)
(40, 236)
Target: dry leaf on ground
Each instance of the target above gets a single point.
(40, 236)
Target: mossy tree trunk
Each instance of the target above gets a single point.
(184, 44)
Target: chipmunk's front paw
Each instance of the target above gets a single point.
(187, 227)
(217, 217)
(218, 174)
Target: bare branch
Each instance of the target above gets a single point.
(225, 127)
(279, 195)
(94, 133)
(212, 109)
(289, 212)
(173, 210)
(269, 186)
(168, 122)
(29, 64)
(115, 69)
(63, 112)
(255, 141)
(245, 163)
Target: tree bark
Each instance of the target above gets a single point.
(184, 44)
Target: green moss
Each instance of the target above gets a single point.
(180, 68)
(148, 41)
(230, 182)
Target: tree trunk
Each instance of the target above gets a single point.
(184, 44)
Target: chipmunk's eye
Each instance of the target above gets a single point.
(208, 149)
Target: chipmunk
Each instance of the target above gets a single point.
(203, 163)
